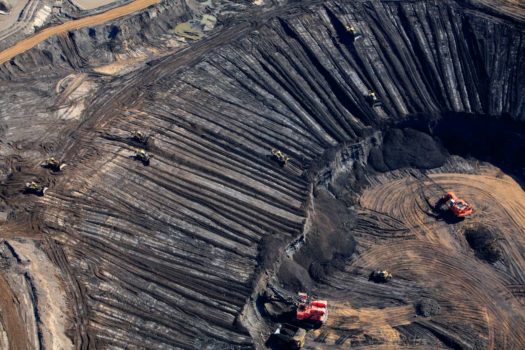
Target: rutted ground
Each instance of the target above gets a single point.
(138, 245)
(481, 304)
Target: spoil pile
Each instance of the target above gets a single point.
(330, 243)
(5, 6)
(485, 243)
(407, 148)
(427, 307)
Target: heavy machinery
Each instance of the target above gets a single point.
(289, 336)
(139, 137)
(280, 157)
(308, 312)
(448, 202)
(35, 188)
(373, 99)
(356, 35)
(142, 156)
(380, 276)
(53, 164)
(457, 206)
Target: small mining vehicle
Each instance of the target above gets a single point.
(35, 188)
(289, 336)
(53, 164)
(380, 276)
(139, 137)
(280, 157)
(142, 156)
(373, 99)
(356, 35)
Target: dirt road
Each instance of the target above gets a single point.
(184, 236)
(31, 42)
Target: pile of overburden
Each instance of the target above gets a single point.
(485, 243)
(427, 307)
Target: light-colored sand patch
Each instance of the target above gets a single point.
(4, 342)
(16, 312)
(92, 4)
(40, 18)
(379, 323)
(72, 112)
(126, 62)
(72, 101)
(118, 67)
(6, 21)
(51, 296)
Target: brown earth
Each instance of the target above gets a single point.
(433, 257)
(175, 254)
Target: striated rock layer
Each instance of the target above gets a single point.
(166, 256)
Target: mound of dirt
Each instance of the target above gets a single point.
(427, 307)
(485, 243)
(294, 277)
(407, 148)
(270, 250)
(330, 243)
(319, 270)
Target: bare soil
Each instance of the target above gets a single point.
(176, 254)
(434, 259)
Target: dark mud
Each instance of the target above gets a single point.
(427, 307)
(484, 242)
(329, 244)
(193, 233)
(499, 140)
(407, 147)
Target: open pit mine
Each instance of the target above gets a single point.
(269, 174)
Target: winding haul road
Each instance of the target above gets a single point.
(88, 21)
(137, 245)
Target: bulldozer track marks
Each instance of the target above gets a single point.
(158, 256)
(433, 258)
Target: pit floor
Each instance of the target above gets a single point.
(481, 303)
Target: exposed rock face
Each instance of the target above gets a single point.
(165, 256)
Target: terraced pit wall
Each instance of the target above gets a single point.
(137, 245)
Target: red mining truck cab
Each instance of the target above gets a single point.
(309, 312)
(459, 207)
(314, 311)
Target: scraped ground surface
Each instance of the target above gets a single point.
(169, 255)
(480, 303)
(92, 4)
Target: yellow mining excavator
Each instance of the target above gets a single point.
(380, 276)
(290, 336)
(142, 156)
(356, 35)
(373, 99)
(35, 188)
(53, 164)
(139, 137)
(280, 157)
